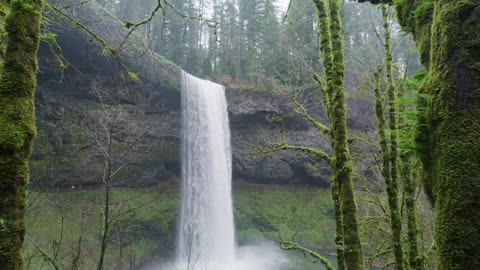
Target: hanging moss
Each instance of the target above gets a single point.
(17, 119)
(416, 18)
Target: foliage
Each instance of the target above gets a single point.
(147, 225)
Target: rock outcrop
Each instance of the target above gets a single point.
(145, 129)
(94, 102)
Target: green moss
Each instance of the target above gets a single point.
(342, 160)
(416, 17)
(450, 122)
(4, 10)
(17, 121)
(448, 35)
(391, 154)
(423, 12)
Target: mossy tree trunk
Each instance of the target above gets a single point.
(343, 164)
(415, 261)
(17, 121)
(448, 36)
(332, 49)
(384, 149)
(327, 87)
(391, 156)
(332, 86)
(453, 163)
(410, 173)
(451, 139)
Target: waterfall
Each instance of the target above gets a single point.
(206, 232)
(206, 236)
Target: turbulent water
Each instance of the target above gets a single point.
(206, 236)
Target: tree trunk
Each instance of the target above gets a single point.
(327, 59)
(448, 36)
(452, 164)
(17, 120)
(331, 31)
(339, 244)
(343, 164)
(415, 262)
(410, 172)
(392, 153)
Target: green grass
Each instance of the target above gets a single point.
(146, 223)
(278, 212)
(142, 225)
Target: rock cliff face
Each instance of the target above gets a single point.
(144, 125)
(94, 104)
(75, 116)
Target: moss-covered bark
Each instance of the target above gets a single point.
(448, 36)
(415, 261)
(346, 212)
(327, 88)
(452, 123)
(324, 25)
(343, 164)
(453, 168)
(17, 121)
(4, 10)
(392, 152)
(410, 174)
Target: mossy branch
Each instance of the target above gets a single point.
(278, 147)
(302, 110)
(287, 245)
(106, 47)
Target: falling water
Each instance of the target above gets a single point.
(206, 234)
